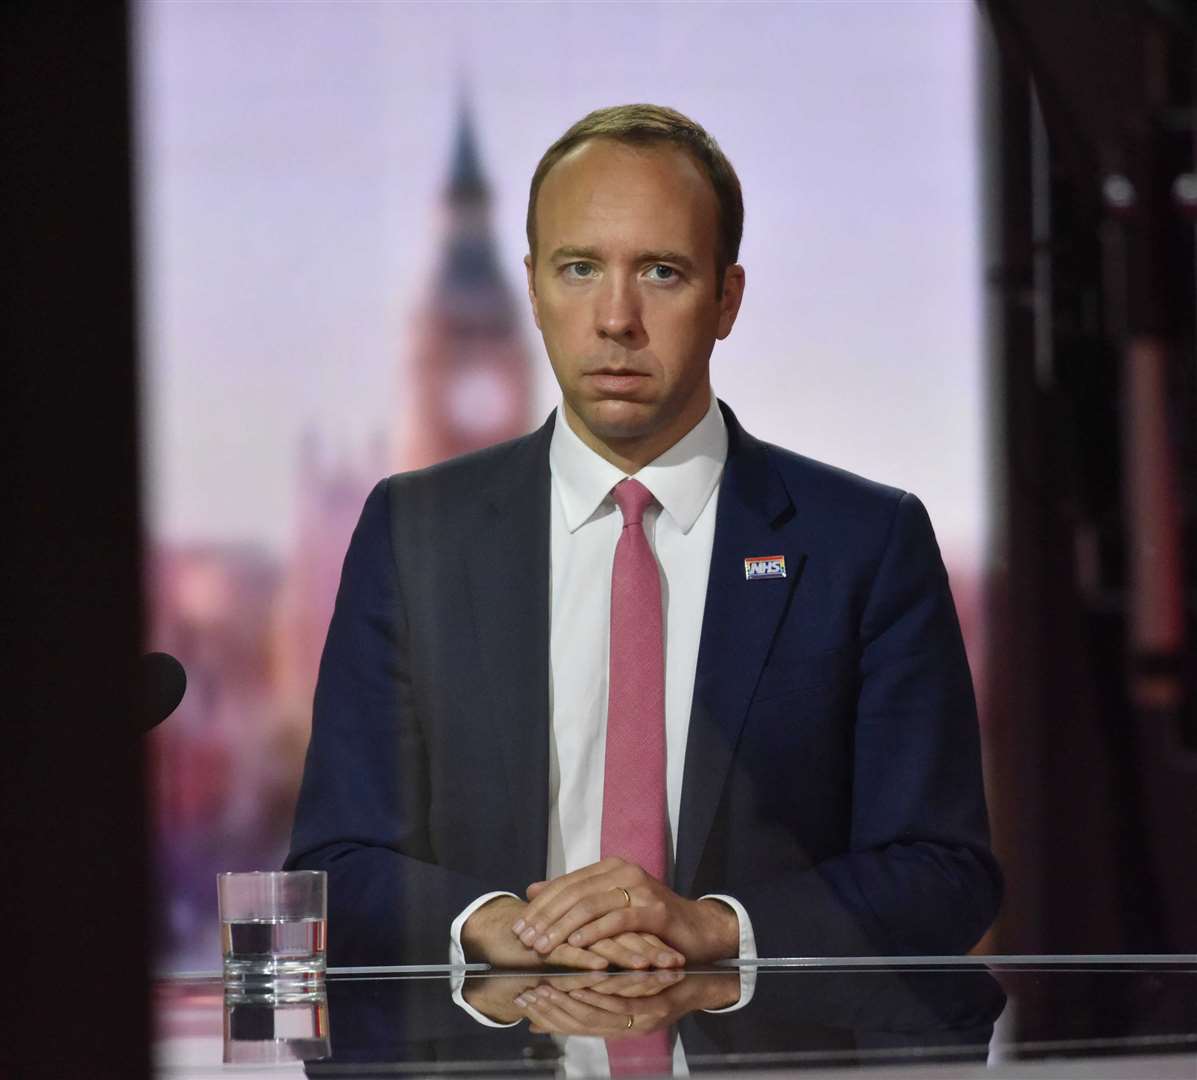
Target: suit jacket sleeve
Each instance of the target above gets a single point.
(917, 875)
(362, 809)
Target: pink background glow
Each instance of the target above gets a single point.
(291, 163)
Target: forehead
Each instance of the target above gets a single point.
(653, 196)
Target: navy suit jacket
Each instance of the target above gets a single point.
(832, 777)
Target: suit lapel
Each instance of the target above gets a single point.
(739, 623)
(509, 579)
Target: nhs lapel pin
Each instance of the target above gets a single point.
(758, 567)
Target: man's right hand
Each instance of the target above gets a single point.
(486, 937)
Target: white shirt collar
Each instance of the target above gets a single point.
(682, 479)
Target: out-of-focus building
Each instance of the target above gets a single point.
(467, 382)
(249, 627)
(329, 491)
(212, 606)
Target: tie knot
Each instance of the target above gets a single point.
(632, 498)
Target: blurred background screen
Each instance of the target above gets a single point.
(325, 189)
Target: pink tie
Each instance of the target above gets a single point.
(634, 813)
(634, 774)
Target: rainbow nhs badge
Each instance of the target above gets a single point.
(764, 566)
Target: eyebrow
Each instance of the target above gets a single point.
(569, 251)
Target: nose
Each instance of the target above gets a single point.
(617, 313)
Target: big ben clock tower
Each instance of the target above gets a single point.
(468, 380)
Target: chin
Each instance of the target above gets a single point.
(617, 420)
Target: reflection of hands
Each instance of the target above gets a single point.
(494, 995)
(624, 1006)
(486, 935)
(614, 897)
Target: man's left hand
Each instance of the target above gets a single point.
(612, 897)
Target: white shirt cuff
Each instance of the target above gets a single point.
(747, 951)
(457, 959)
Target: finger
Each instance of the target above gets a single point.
(547, 898)
(665, 947)
(616, 1006)
(509, 984)
(517, 985)
(586, 1016)
(564, 881)
(642, 1023)
(620, 954)
(535, 889)
(612, 984)
(581, 981)
(574, 908)
(646, 1014)
(634, 984)
(579, 880)
(614, 991)
(648, 918)
(653, 949)
(537, 1021)
(646, 1007)
(618, 988)
(656, 941)
(572, 911)
(569, 957)
(545, 1016)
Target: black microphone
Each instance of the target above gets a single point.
(163, 683)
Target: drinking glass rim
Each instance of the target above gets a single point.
(268, 873)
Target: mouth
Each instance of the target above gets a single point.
(615, 369)
(616, 381)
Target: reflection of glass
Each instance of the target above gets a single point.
(273, 929)
(259, 1030)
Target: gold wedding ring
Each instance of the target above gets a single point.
(631, 1021)
(627, 902)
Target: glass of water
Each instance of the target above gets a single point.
(273, 928)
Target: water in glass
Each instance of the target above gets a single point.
(273, 948)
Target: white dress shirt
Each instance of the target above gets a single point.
(585, 527)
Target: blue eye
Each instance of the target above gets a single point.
(579, 269)
(661, 272)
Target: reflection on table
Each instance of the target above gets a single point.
(1104, 1016)
(259, 1029)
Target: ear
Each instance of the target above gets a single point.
(531, 272)
(729, 302)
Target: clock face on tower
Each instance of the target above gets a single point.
(482, 402)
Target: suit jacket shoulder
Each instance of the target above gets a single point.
(829, 513)
(828, 486)
(483, 474)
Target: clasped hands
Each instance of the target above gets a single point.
(598, 1003)
(610, 913)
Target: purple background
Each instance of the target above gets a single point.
(291, 158)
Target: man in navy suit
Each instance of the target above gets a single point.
(824, 790)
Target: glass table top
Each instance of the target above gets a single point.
(929, 1016)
